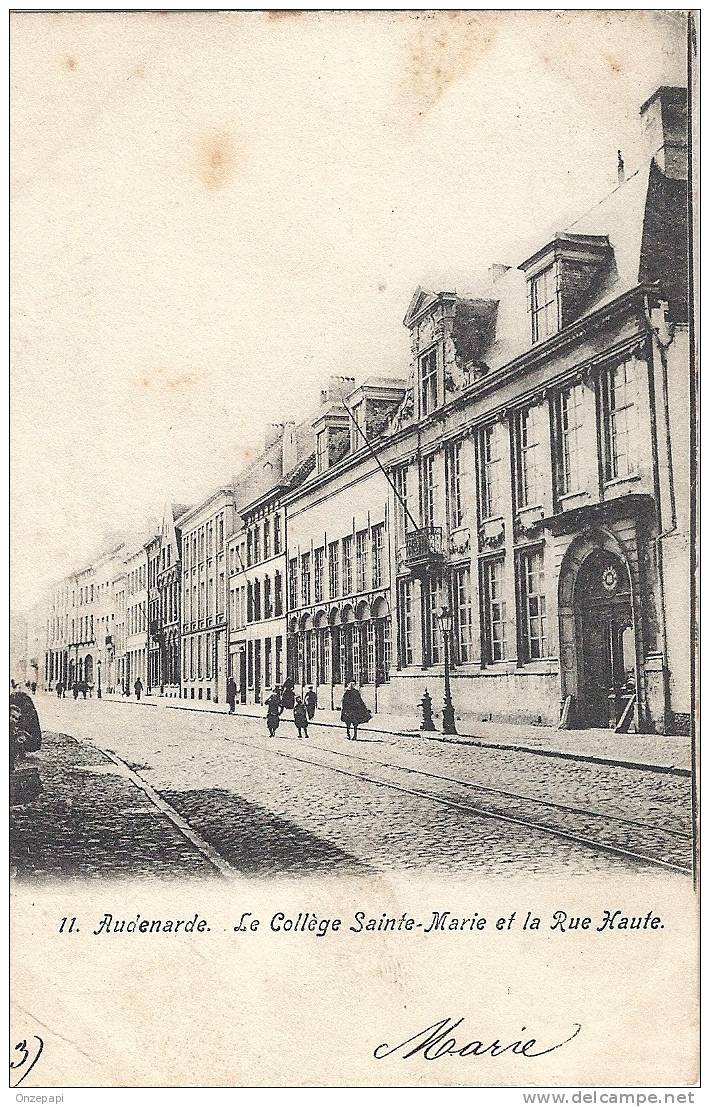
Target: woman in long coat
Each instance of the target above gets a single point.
(353, 711)
(288, 697)
(273, 714)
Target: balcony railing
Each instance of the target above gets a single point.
(424, 546)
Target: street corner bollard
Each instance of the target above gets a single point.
(427, 716)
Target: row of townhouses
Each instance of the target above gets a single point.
(515, 503)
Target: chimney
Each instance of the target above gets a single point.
(664, 121)
(339, 387)
(289, 453)
(273, 433)
(620, 172)
(495, 272)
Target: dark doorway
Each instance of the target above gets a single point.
(604, 619)
(242, 676)
(257, 671)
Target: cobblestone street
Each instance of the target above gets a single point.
(288, 806)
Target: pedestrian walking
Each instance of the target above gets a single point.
(75, 690)
(231, 694)
(311, 701)
(83, 688)
(60, 689)
(288, 698)
(300, 717)
(353, 711)
(273, 714)
(138, 688)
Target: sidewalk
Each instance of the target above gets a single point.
(93, 819)
(659, 752)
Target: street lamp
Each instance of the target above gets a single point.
(98, 690)
(447, 715)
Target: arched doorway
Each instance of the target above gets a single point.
(89, 669)
(598, 648)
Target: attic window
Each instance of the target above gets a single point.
(544, 307)
(322, 451)
(562, 280)
(428, 383)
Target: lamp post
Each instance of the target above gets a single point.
(98, 690)
(447, 715)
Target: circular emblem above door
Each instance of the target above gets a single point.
(610, 578)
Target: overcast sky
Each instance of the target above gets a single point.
(212, 213)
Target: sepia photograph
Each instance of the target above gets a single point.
(353, 543)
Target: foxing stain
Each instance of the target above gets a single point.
(440, 49)
(216, 159)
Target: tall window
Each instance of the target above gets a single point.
(278, 594)
(494, 610)
(268, 610)
(256, 600)
(333, 570)
(277, 533)
(543, 304)
(256, 544)
(462, 607)
(433, 606)
(267, 539)
(455, 488)
(267, 663)
(293, 582)
(429, 489)
(534, 620)
(570, 419)
(528, 434)
(378, 547)
(428, 384)
(318, 564)
(401, 515)
(491, 471)
(405, 623)
(361, 560)
(621, 419)
(347, 565)
(305, 578)
(278, 674)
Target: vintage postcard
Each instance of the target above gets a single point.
(353, 655)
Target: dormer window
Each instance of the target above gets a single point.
(428, 382)
(332, 432)
(562, 278)
(544, 307)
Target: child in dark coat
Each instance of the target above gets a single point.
(300, 718)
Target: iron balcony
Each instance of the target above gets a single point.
(424, 547)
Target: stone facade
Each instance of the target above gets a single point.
(206, 530)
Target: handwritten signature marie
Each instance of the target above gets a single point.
(29, 1056)
(437, 1041)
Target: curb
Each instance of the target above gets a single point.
(461, 740)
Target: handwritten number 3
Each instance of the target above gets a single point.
(22, 1048)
